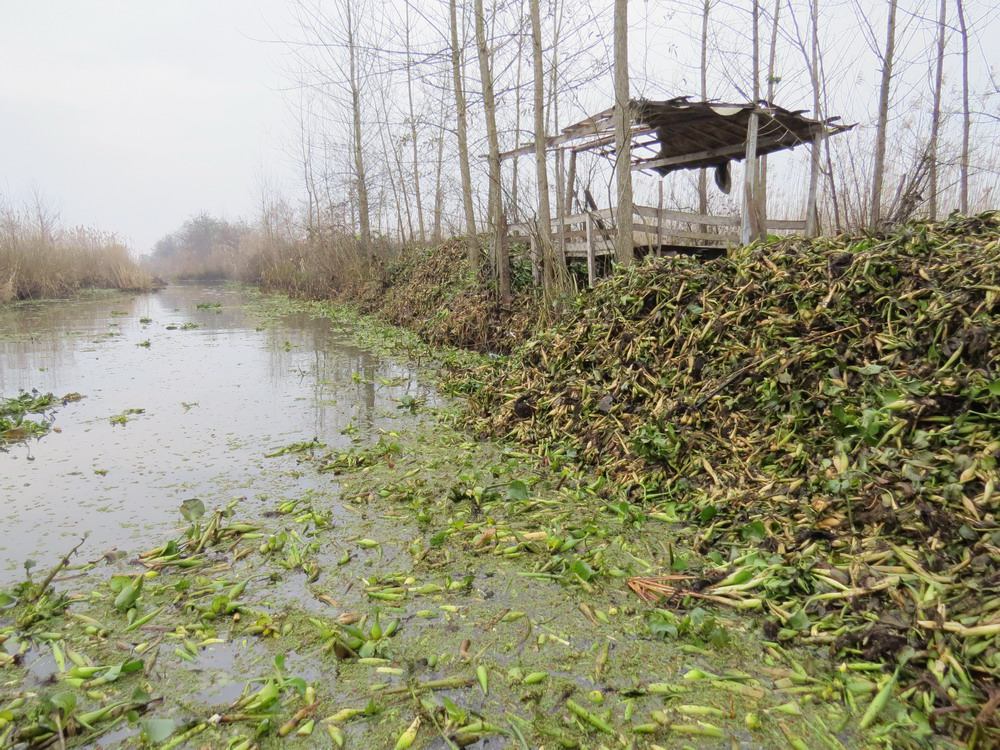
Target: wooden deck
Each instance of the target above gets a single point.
(589, 236)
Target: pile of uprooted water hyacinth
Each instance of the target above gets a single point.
(823, 420)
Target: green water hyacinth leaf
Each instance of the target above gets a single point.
(192, 509)
(518, 490)
(158, 730)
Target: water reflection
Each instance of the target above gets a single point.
(215, 399)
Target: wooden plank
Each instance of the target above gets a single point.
(591, 126)
(649, 231)
(683, 217)
(591, 257)
(794, 224)
(688, 217)
(696, 156)
(610, 138)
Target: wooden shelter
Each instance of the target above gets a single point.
(667, 136)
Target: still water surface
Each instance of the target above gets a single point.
(216, 399)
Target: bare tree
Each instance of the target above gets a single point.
(932, 147)
(623, 136)
(544, 217)
(771, 81)
(878, 171)
(515, 206)
(359, 160)
(463, 140)
(963, 201)
(496, 200)
(439, 163)
(413, 128)
(756, 51)
(702, 173)
(815, 152)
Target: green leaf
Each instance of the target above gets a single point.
(517, 490)
(582, 569)
(65, 701)
(871, 369)
(192, 509)
(158, 730)
(798, 621)
(753, 532)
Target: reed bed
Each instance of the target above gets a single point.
(38, 260)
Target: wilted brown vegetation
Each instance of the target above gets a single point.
(821, 412)
(40, 259)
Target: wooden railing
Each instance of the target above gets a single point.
(591, 235)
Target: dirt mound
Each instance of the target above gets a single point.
(822, 417)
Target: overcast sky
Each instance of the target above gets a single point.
(132, 115)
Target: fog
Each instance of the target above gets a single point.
(134, 115)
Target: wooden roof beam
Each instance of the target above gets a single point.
(728, 152)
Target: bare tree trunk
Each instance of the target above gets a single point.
(497, 218)
(413, 131)
(815, 148)
(702, 174)
(831, 177)
(359, 163)
(770, 94)
(756, 51)
(305, 145)
(463, 142)
(552, 111)
(754, 202)
(623, 136)
(963, 201)
(438, 188)
(397, 153)
(544, 213)
(515, 206)
(878, 173)
(936, 113)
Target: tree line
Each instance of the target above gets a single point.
(403, 110)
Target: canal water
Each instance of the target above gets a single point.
(219, 386)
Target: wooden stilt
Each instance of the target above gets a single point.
(659, 219)
(751, 228)
(561, 205)
(571, 183)
(812, 210)
(591, 255)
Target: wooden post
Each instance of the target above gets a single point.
(561, 205)
(659, 218)
(751, 228)
(812, 210)
(571, 183)
(591, 258)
